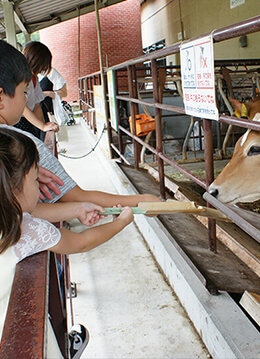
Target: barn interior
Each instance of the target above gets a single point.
(217, 262)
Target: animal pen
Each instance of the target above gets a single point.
(139, 85)
(147, 85)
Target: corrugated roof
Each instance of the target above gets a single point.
(38, 14)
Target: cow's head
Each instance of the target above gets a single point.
(240, 179)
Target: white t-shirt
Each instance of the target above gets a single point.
(56, 78)
(34, 94)
(37, 235)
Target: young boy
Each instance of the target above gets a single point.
(15, 75)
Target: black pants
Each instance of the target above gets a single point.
(46, 104)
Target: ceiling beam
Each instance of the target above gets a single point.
(19, 23)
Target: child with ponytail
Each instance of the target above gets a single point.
(26, 229)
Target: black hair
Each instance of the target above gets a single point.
(14, 68)
(18, 153)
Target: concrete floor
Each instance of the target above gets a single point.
(123, 299)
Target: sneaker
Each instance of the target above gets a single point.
(78, 340)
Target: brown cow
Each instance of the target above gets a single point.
(240, 179)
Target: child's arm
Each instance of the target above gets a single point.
(62, 92)
(87, 213)
(33, 118)
(107, 199)
(72, 242)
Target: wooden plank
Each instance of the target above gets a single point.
(172, 206)
(169, 207)
(25, 329)
(251, 303)
(50, 141)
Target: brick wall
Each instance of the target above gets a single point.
(121, 40)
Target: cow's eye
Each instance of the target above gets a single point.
(254, 150)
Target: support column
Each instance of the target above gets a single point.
(103, 79)
(9, 22)
(158, 127)
(21, 26)
(209, 164)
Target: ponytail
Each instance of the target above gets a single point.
(10, 212)
(18, 154)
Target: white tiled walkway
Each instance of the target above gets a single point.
(123, 299)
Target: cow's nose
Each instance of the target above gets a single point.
(213, 192)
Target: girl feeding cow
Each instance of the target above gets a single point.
(21, 233)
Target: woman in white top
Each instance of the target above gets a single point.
(59, 84)
(39, 58)
(22, 233)
(54, 88)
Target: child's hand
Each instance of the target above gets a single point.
(126, 215)
(116, 215)
(48, 180)
(87, 213)
(50, 126)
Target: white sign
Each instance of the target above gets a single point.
(235, 3)
(100, 117)
(99, 103)
(112, 99)
(198, 79)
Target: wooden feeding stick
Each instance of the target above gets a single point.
(169, 207)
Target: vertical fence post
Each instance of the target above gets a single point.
(158, 127)
(132, 85)
(120, 134)
(209, 166)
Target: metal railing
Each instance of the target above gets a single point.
(130, 70)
